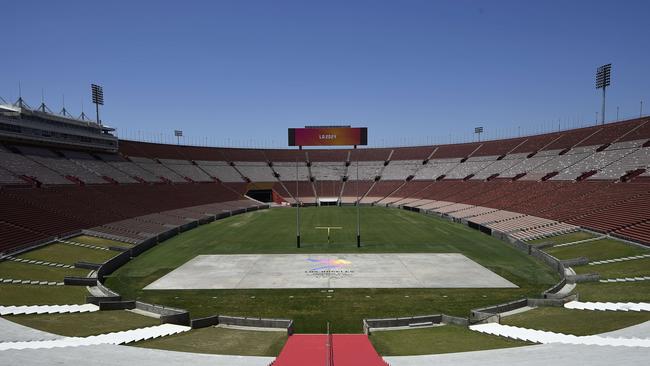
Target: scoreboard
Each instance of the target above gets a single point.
(328, 136)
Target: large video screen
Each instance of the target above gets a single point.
(328, 136)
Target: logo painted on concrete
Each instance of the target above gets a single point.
(329, 264)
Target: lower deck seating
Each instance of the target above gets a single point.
(32, 214)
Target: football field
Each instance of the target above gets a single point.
(213, 287)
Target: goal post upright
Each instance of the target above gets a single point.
(328, 136)
(358, 205)
(297, 210)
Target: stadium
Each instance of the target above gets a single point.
(522, 249)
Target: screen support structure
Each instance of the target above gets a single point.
(297, 210)
(358, 204)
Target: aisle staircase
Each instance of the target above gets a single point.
(329, 350)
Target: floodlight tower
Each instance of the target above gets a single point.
(98, 98)
(603, 74)
(478, 131)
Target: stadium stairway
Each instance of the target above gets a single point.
(608, 306)
(47, 309)
(312, 349)
(540, 336)
(123, 337)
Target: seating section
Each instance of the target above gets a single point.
(29, 215)
(499, 166)
(365, 170)
(302, 190)
(596, 177)
(157, 169)
(470, 167)
(98, 166)
(383, 188)
(353, 189)
(64, 167)
(7, 178)
(400, 169)
(292, 171)
(129, 168)
(436, 168)
(19, 165)
(330, 170)
(255, 171)
(220, 170)
(186, 169)
(328, 188)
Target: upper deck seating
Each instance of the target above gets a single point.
(255, 171)
(186, 169)
(61, 165)
(22, 166)
(220, 170)
(435, 168)
(596, 161)
(157, 169)
(365, 170)
(100, 167)
(7, 178)
(328, 170)
(559, 162)
(289, 171)
(638, 158)
(500, 166)
(129, 168)
(400, 169)
(472, 166)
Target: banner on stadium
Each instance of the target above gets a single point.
(328, 136)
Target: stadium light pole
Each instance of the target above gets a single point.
(641, 109)
(478, 131)
(98, 98)
(603, 77)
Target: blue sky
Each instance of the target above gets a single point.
(241, 72)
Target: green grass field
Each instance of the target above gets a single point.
(85, 324)
(443, 339)
(566, 238)
(69, 254)
(597, 250)
(383, 230)
(41, 295)
(615, 292)
(26, 271)
(576, 322)
(634, 268)
(100, 242)
(221, 341)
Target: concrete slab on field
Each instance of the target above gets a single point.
(275, 271)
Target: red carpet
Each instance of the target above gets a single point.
(311, 349)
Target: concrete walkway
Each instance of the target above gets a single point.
(110, 355)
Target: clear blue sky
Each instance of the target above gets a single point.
(241, 72)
